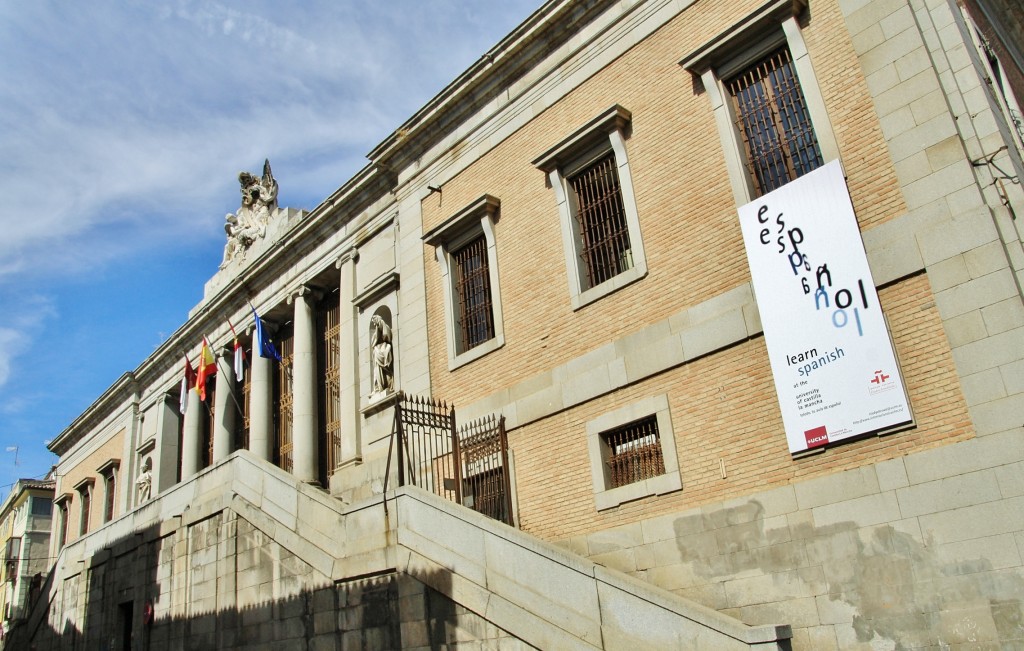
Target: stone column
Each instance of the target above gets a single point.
(304, 413)
(191, 441)
(351, 447)
(261, 404)
(225, 407)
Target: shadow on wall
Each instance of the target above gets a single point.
(873, 583)
(224, 584)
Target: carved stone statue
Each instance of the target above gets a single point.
(259, 200)
(382, 355)
(144, 484)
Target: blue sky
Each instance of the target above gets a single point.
(123, 126)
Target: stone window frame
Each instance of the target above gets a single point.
(479, 217)
(773, 25)
(603, 134)
(606, 497)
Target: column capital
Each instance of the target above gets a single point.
(351, 255)
(305, 291)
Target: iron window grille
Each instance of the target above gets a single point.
(285, 402)
(634, 452)
(601, 216)
(475, 319)
(330, 383)
(773, 122)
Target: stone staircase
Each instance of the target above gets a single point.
(244, 555)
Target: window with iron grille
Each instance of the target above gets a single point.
(466, 248)
(285, 402)
(243, 424)
(773, 122)
(473, 289)
(590, 175)
(601, 218)
(634, 452)
(329, 385)
(768, 108)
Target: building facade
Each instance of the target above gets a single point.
(25, 521)
(571, 236)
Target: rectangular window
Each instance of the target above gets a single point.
(110, 492)
(590, 175)
(773, 122)
(634, 452)
(242, 431)
(473, 288)
(329, 385)
(42, 507)
(86, 510)
(768, 108)
(209, 421)
(601, 218)
(467, 254)
(62, 537)
(285, 402)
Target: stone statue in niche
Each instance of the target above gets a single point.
(382, 355)
(144, 484)
(259, 200)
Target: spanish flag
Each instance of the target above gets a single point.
(207, 367)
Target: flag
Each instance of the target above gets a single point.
(207, 367)
(239, 355)
(187, 382)
(266, 347)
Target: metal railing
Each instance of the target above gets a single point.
(467, 465)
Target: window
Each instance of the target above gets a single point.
(772, 119)
(62, 503)
(475, 317)
(329, 385)
(467, 255)
(285, 401)
(41, 507)
(84, 489)
(633, 453)
(769, 111)
(109, 473)
(589, 173)
(601, 220)
(109, 492)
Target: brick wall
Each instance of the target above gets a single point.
(687, 213)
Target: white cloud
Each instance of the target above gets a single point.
(22, 317)
(134, 119)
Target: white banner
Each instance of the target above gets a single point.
(832, 359)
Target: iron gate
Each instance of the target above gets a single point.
(466, 464)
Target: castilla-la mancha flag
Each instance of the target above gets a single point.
(187, 383)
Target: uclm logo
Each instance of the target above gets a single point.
(815, 437)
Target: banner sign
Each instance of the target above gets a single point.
(832, 359)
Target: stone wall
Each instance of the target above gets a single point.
(920, 551)
(245, 556)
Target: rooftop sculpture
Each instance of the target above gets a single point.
(259, 201)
